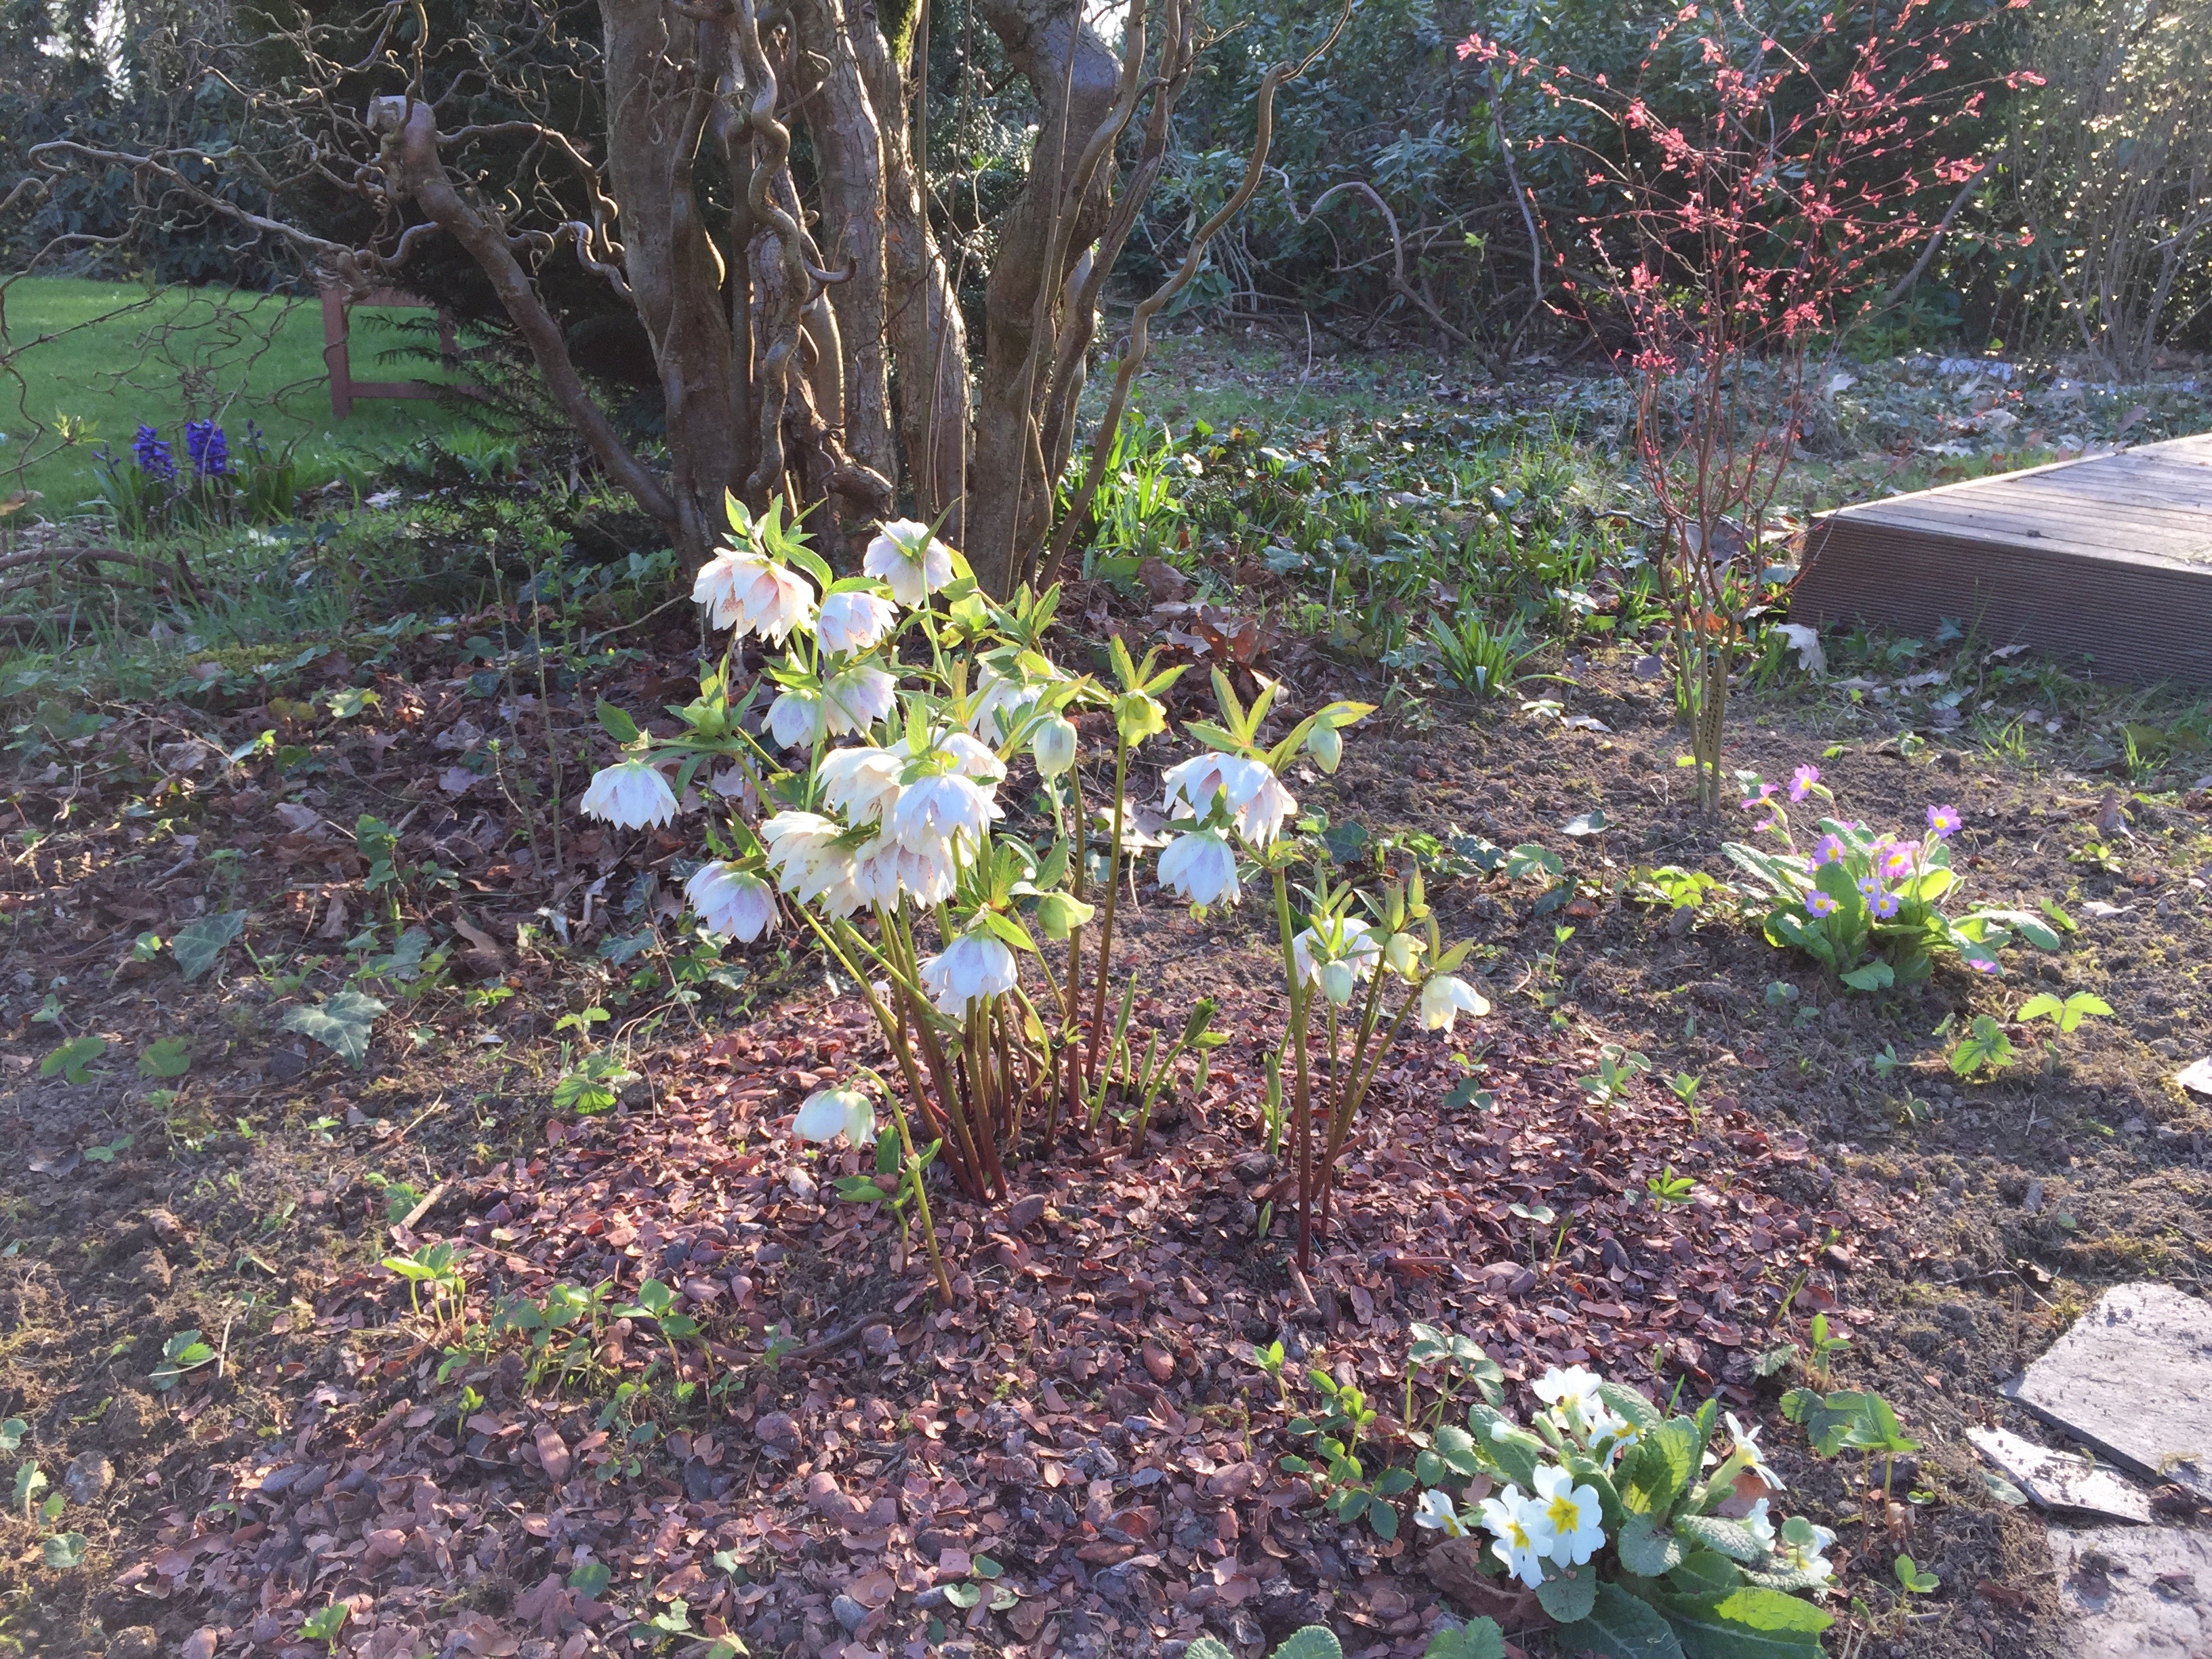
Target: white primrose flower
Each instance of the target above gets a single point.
(861, 783)
(631, 793)
(973, 967)
(1746, 1441)
(1573, 1516)
(1523, 1537)
(794, 718)
(754, 595)
(731, 901)
(942, 810)
(1052, 745)
(856, 698)
(1572, 1393)
(854, 621)
(909, 560)
(1760, 1526)
(1356, 947)
(1804, 1547)
(1445, 997)
(1202, 867)
(1616, 1434)
(834, 1112)
(1438, 1513)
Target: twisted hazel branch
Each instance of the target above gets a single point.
(1077, 520)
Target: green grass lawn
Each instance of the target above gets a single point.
(82, 363)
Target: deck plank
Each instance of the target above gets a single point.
(2107, 557)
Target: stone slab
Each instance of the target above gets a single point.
(2135, 1592)
(2061, 1480)
(2133, 1379)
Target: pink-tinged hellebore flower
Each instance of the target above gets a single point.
(909, 560)
(794, 718)
(861, 783)
(1202, 867)
(941, 810)
(731, 901)
(856, 698)
(753, 595)
(631, 793)
(973, 967)
(854, 621)
(834, 1112)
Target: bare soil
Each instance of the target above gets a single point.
(1088, 1415)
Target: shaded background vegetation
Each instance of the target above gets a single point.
(2105, 162)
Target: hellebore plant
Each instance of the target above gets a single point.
(1868, 907)
(1231, 797)
(878, 776)
(1634, 1536)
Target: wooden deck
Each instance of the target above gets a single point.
(2108, 558)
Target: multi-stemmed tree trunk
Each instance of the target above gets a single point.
(804, 324)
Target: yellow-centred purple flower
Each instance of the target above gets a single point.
(1803, 781)
(1944, 822)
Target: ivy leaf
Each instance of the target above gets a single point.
(198, 945)
(341, 1024)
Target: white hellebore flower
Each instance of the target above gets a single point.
(1401, 952)
(974, 966)
(794, 718)
(1201, 866)
(797, 843)
(1438, 1513)
(861, 783)
(883, 869)
(909, 560)
(1522, 1536)
(753, 594)
(942, 810)
(856, 698)
(631, 793)
(1445, 997)
(976, 760)
(1001, 702)
(854, 621)
(1355, 947)
(1053, 745)
(834, 1112)
(1573, 1515)
(731, 901)
(1746, 1447)
(1257, 801)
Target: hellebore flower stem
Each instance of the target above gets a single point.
(1302, 1084)
(1348, 1101)
(1106, 916)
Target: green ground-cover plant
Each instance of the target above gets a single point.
(1869, 908)
(1633, 1538)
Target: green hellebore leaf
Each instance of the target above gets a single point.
(616, 724)
(1060, 914)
